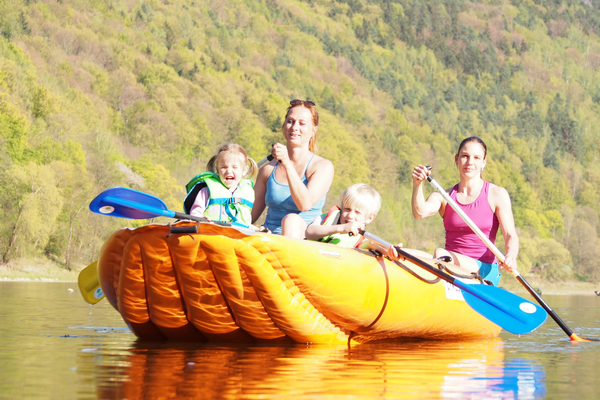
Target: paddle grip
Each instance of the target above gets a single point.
(265, 160)
(184, 229)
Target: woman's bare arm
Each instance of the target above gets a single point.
(503, 210)
(260, 191)
(319, 180)
(422, 208)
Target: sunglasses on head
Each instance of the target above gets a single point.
(305, 103)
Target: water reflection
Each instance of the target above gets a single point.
(421, 369)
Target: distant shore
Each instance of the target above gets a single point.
(43, 270)
(509, 283)
(38, 270)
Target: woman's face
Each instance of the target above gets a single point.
(298, 128)
(471, 159)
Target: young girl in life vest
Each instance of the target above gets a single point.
(225, 193)
(360, 204)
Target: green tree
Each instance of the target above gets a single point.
(31, 203)
(565, 130)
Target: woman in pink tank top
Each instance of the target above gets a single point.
(486, 204)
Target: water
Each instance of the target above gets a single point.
(53, 345)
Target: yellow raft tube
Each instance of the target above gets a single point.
(230, 285)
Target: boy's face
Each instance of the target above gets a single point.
(353, 214)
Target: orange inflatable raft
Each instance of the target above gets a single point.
(233, 285)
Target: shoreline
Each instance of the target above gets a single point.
(508, 282)
(37, 270)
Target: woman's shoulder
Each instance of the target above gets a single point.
(498, 195)
(320, 166)
(319, 162)
(267, 169)
(497, 190)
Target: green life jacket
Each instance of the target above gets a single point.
(332, 217)
(236, 209)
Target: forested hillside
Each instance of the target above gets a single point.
(100, 93)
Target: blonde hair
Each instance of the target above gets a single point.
(234, 149)
(362, 197)
(312, 144)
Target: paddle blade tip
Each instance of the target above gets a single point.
(576, 338)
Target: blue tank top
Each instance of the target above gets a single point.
(279, 200)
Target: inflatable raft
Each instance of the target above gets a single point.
(234, 285)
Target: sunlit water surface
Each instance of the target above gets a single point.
(55, 346)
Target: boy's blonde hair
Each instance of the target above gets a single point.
(362, 197)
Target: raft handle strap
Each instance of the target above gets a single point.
(473, 275)
(175, 230)
(413, 273)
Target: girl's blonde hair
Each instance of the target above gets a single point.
(235, 149)
(362, 197)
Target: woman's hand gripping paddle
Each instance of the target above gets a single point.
(509, 311)
(131, 204)
(501, 258)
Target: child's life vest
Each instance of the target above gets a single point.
(223, 205)
(332, 217)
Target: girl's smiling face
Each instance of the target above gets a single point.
(299, 128)
(232, 169)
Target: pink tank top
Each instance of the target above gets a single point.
(460, 237)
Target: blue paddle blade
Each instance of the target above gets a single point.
(513, 313)
(128, 203)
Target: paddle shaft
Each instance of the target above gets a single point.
(265, 160)
(501, 258)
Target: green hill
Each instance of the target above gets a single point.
(101, 93)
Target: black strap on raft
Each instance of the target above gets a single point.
(385, 300)
(473, 275)
(413, 273)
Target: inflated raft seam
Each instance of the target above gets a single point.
(292, 313)
(205, 304)
(226, 259)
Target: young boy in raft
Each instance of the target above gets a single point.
(360, 204)
(225, 193)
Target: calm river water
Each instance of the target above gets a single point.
(55, 346)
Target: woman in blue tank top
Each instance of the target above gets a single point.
(294, 185)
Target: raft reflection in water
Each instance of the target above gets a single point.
(417, 369)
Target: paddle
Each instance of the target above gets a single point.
(128, 203)
(89, 285)
(509, 311)
(501, 257)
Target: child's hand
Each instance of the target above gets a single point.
(392, 253)
(353, 228)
